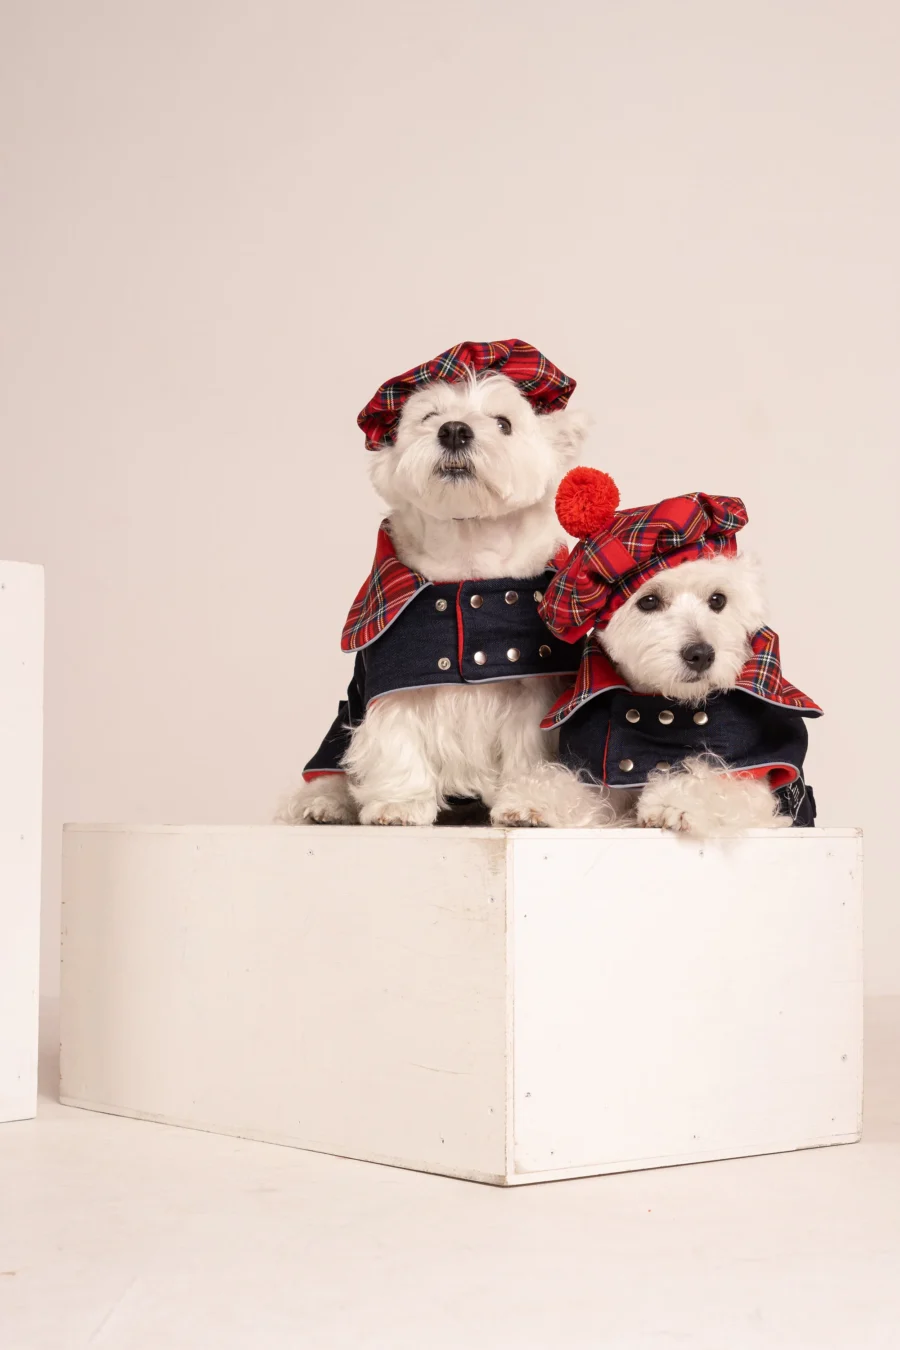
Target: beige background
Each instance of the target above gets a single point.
(223, 224)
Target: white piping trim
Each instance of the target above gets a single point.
(498, 679)
(744, 768)
(579, 705)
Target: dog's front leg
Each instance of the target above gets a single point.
(392, 779)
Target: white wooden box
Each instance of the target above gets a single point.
(21, 750)
(503, 1006)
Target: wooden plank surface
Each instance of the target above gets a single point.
(338, 989)
(677, 1002)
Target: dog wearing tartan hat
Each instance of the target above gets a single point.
(454, 667)
(679, 709)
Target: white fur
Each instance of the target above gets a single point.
(325, 800)
(702, 799)
(697, 796)
(416, 748)
(646, 647)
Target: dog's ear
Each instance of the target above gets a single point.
(567, 429)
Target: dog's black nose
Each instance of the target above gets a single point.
(455, 435)
(699, 656)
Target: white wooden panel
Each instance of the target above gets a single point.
(340, 989)
(676, 1001)
(508, 1007)
(21, 736)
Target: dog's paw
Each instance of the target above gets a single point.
(324, 801)
(398, 813)
(327, 811)
(660, 816)
(551, 796)
(511, 817)
(702, 799)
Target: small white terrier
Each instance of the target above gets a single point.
(470, 483)
(684, 634)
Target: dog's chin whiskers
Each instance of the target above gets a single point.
(455, 473)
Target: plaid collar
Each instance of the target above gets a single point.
(761, 677)
(383, 597)
(387, 590)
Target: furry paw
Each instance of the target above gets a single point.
(656, 815)
(415, 812)
(551, 795)
(323, 801)
(516, 817)
(703, 800)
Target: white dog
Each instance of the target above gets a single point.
(470, 483)
(685, 635)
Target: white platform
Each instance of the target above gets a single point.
(503, 1006)
(21, 752)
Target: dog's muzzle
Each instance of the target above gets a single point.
(455, 440)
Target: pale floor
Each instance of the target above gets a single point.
(117, 1234)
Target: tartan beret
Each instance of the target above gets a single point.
(623, 549)
(542, 383)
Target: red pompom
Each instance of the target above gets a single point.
(586, 501)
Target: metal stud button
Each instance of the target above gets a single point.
(544, 650)
(701, 718)
(664, 764)
(479, 658)
(511, 597)
(538, 597)
(667, 717)
(440, 606)
(476, 601)
(513, 654)
(626, 765)
(444, 663)
(632, 715)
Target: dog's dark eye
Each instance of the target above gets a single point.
(431, 414)
(505, 425)
(648, 603)
(717, 601)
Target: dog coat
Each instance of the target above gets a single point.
(619, 737)
(411, 633)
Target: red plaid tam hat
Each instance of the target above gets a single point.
(542, 383)
(620, 550)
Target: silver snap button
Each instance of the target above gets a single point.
(476, 601)
(479, 658)
(666, 717)
(626, 765)
(444, 663)
(440, 606)
(513, 654)
(544, 650)
(664, 764)
(538, 597)
(701, 718)
(511, 597)
(632, 715)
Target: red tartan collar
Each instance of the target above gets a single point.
(387, 590)
(383, 596)
(761, 677)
